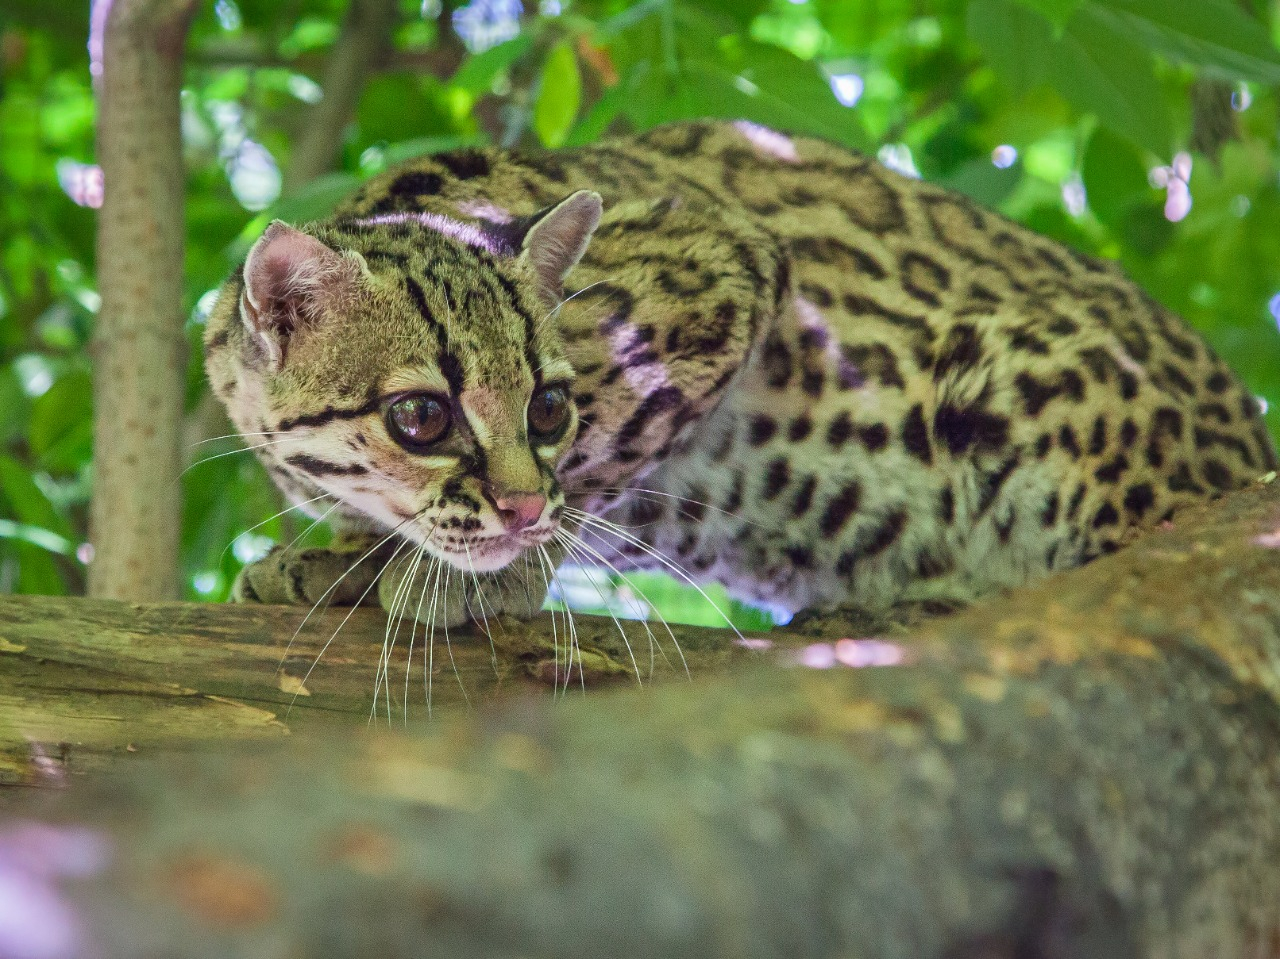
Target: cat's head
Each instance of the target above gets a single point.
(409, 367)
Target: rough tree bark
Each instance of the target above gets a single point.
(139, 350)
(364, 41)
(1087, 768)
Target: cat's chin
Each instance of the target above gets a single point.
(491, 553)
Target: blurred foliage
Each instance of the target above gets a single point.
(1141, 130)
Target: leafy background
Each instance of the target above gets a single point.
(1140, 130)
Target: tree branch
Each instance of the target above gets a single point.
(138, 347)
(1090, 767)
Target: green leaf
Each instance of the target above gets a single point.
(398, 106)
(629, 17)
(749, 81)
(1014, 39)
(605, 111)
(61, 423)
(1115, 177)
(983, 181)
(316, 199)
(422, 146)
(1057, 12)
(735, 12)
(26, 501)
(1216, 35)
(559, 95)
(477, 74)
(15, 404)
(1098, 68)
(37, 572)
(37, 536)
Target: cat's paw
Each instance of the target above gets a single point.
(340, 577)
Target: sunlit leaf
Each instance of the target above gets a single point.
(559, 95)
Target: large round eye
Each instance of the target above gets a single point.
(418, 420)
(549, 412)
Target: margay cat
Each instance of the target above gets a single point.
(767, 358)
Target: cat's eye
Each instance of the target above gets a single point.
(418, 420)
(549, 412)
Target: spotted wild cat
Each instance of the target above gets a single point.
(765, 358)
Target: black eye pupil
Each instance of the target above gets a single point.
(418, 420)
(549, 412)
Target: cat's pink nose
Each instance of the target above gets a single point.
(519, 511)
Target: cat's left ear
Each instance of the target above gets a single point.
(558, 238)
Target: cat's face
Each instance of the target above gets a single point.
(416, 378)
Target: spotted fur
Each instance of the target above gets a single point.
(795, 372)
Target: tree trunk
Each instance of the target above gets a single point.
(1086, 768)
(139, 349)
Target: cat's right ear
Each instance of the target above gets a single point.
(558, 238)
(289, 277)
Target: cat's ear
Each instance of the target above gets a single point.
(558, 238)
(289, 277)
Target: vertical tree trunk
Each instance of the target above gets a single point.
(139, 348)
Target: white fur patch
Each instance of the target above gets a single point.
(486, 211)
(644, 379)
(467, 233)
(769, 142)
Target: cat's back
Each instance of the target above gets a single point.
(1014, 405)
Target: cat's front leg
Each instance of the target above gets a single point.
(342, 574)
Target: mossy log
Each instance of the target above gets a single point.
(1089, 767)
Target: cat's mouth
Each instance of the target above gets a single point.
(485, 554)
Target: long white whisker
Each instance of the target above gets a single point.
(548, 565)
(413, 626)
(288, 509)
(682, 499)
(429, 660)
(596, 522)
(559, 306)
(592, 557)
(555, 636)
(447, 644)
(399, 604)
(413, 630)
(572, 637)
(480, 601)
(323, 596)
(243, 449)
(235, 436)
(600, 558)
(325, 647)
(562, 537)
(314, 523)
